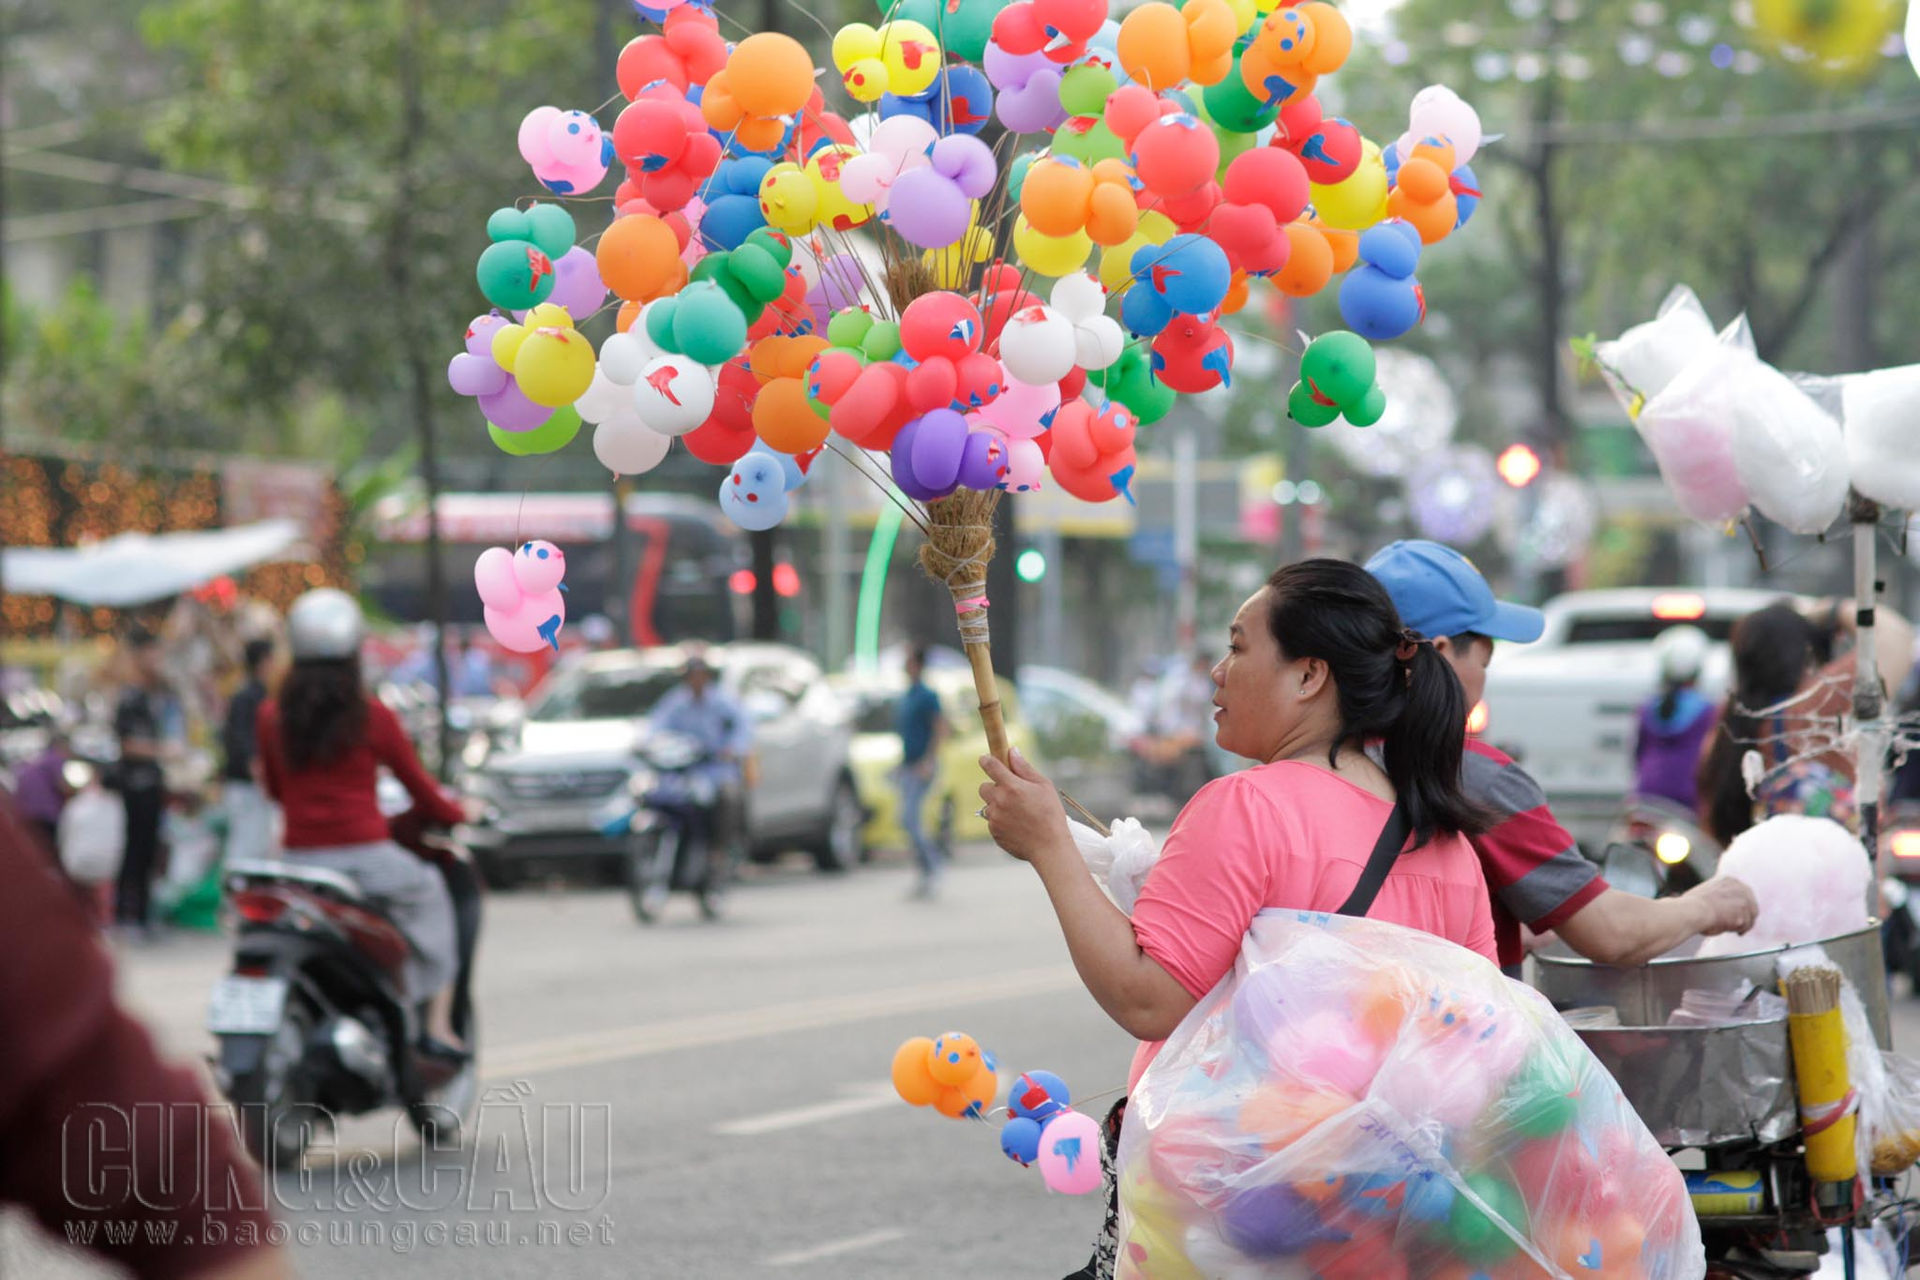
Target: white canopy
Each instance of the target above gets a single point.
(137, 568)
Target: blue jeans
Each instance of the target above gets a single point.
(914, 786)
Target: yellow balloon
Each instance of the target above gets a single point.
(912, 54)
(1116, 262)
(853, 42)
(506, 344)
(1361, 200)
(1842, 37)
(865, 79)
(836, 208)
(790, 199)
(1245, 14)
(548, 314)
(554, 366)
(1053, 256)
(953, 266)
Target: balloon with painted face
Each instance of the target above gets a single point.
(754, 494)
(521, 592)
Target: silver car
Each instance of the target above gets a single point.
(557, 794)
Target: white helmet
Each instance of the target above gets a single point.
(1681, 652)
(325, 624)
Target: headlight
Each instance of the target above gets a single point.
(1672, 848)
(641, 782)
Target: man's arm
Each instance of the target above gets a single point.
(1622, 930)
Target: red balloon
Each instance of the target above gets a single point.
(932, 384)
(940, 324)
(651, 133)
(1271, 177)
(1189, 212)
(1331, 152)
(1299, 118)
(1175, 155)
(1192, 355)
(1130, 109)
(1251, 238)
(1073, 384)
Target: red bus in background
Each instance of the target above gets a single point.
(681, 551)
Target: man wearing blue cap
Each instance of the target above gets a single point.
(1533, 867)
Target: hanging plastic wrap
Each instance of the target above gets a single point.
(1789, 453)
(1360, 1101)
(1640, 363)
(1688, 425)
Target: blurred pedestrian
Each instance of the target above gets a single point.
(250, 812)
(40, 790)
(472, 671)
(1674, 723)
(151, 728)
(922, 728)
(75, 1063)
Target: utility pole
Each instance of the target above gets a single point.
(619, 599)
(1186, 535)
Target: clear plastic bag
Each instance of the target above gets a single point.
(1120, 859)
(1361, 1101)
(1643, 360)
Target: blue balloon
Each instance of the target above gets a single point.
(1143, 311)
(754, 494)
(960, 100)
(732, 196)
(1390, 156)
(1020, 1140)
(1380, 307)
(1190, 273)
(1466, 194)
(790, 465)
(1038, 1095)
(1392, 246)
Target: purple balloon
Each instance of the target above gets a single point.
(968, 161)
(510, 410)
(927, 453)
(480, 333)
(983, 461)
(1269, 1221)
(577, 285)
(1029, 99)
(475, 375)
(927, 209)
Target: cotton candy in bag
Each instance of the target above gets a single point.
(1362, 1101)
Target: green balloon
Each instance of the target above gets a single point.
(508, 223)
(1231, 146)
(963, 27)
(1084, 89)
(882, 341)
(1371, 406)
(551, 228)
(1088, 140)
(1305, 410)
(1017, 174)
(1543, 1098)
(707, 326)
(514, 275)
(1130, 381)
(1234, 107)
(1478, 1238)
(554, 434)
(848, 327)
(1340, 364)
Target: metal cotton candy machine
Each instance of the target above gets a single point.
(1704, 1086)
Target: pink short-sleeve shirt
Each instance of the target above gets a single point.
(1290, 834)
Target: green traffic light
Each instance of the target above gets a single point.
(1030, 565)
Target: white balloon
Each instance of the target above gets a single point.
(604, 400)
(624, 355)
(1438, 111)
(1098, 342)
(1037, 346)
(626, 446)
(1079, 296)
(674, 394)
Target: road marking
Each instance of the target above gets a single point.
(872, 1097)
(834, 1248)
(705, 1030)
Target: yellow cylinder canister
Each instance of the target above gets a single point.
(1826, 1094)
(1727, 1193)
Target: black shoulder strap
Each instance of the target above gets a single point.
(1393, 838)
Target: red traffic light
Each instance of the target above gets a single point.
(1518, 466)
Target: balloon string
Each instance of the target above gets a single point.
(992, 1113)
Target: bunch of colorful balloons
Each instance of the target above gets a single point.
(1043, 1128)
(784, 270)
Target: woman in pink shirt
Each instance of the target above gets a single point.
(1318, 666)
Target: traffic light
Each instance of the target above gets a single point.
(1030, 565)
(1518, 466)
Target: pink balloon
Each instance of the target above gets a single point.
(1021, 412)
(539, 566)
(1070, 1154)
(1026, 467)
(493, 578)
(510, 410)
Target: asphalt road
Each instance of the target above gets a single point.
(691, 1101)
(698, 1100)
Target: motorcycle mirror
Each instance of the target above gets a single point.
(1630, 869)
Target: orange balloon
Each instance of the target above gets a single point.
(771, 74)
(1211, 31)
(783, 418)
(1345, 245)
(955, 1059)
(1270, 79)
(1309, 262)
(1433, 221)
(1113, 215)
(1055, 195)
(1153, 46)
(639, 258)
(1280, 1115)
(1236, 294)
(910, 1078)
(718, 105)
(784, 356)
(1332, 38)
(623, 319)
(760, 133)
(1422, 179)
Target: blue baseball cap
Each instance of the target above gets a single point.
(1439, 593)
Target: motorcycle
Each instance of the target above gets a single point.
(312, 1022)
(663, 856)
(1655, 849)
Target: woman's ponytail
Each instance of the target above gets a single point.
(1425, 744)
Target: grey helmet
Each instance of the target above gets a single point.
(325, 624)
(1681, 652)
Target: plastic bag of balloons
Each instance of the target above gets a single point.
(1361, 1101)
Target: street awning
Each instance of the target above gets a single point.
(139, 568)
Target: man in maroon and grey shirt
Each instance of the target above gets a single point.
(1534, 869)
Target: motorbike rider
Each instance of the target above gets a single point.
(322, 741)
(1533, 866)
(1674, 723)
(698, 708)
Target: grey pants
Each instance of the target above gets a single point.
(412, 892)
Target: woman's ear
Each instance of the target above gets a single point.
(1314, 676)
